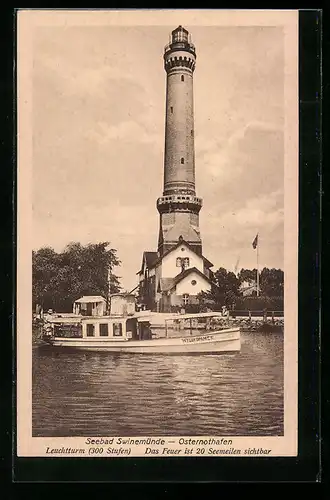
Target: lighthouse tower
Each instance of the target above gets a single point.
(177, 272)
(179, 207)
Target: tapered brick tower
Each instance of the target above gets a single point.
(179, 207)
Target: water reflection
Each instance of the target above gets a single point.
(105, 394)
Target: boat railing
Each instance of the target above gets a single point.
(197, 321)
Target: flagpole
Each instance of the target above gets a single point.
(109, 286)
(258, 266)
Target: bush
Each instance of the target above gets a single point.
(260, 303)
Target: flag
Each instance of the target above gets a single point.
(255, 242)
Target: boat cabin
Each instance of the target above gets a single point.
(106, 328)
(90, 305)
(117, 328)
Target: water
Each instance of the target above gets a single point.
(104, 394)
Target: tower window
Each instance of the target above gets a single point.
(182, 78)
(192, 133)
(171, 109)
(182, 160)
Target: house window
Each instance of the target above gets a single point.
(182, 78)
(186, 262)
(185, 298)
(90, 330)
(104, 331)
(117, 330)
(182, 161)
(192, 133)
(171, 109)
(182, 262)
(193, 282)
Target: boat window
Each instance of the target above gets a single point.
(90, 330)
(104, 331)
(117, 329)
(131, 328)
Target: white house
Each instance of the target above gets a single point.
(248, 288)
(174, 278)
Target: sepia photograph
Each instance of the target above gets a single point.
(158, 229)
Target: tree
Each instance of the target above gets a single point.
(61, 278)
(224, 291)
(272, 282)
(247, 275)
(45, 268)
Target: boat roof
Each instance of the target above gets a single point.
(63, 319)
(91, 298)
(81, 319)
(213, 314)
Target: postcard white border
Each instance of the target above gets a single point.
(28, 446)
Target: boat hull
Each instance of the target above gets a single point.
(213, 342)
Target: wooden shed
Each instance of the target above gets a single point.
(122, 304)
(90, 305)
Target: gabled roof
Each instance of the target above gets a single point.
(181, 229)
(167, 284)
(90, 298)
(181, 242)
(246, 285)
(150, 258)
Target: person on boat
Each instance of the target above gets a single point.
(225, 314)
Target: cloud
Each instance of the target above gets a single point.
(250, 162)
(126, 131)
(98, 132)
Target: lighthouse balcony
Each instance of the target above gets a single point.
(179, 203)
(188, 46)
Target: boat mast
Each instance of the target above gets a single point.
(109, 287)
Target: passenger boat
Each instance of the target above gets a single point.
(182, 334)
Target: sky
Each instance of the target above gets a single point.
(98, 140)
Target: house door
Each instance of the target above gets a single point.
(89, 309)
